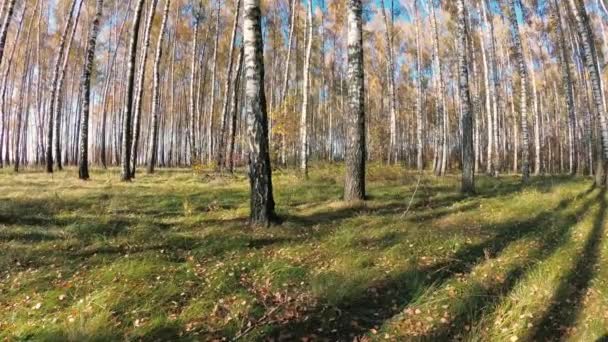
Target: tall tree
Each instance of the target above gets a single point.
(305, 95)
(491, 84)
(354, 183)
(140, 86)
(523, 91)
(260, 172)
(468, 156)
(5, 107)
(419, 119)
(58, 103)
(83, 169)
(222, 148)
(579, 12)
(128, 108)
(211, 113)
(152, 156)
(24, 93)
(54, 91)
(110, 76)
(442, 114)
(388, 23)
(234, 109)
(197, 13)
(564, 62)
(7, 9)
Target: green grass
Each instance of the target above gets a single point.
(171, 257)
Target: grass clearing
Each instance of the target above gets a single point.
(170, 256)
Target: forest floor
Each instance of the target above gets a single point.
(170, 257)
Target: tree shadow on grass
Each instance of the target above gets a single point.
(423, 208)
(26, 236)
(485, 299)
(567, 299)
(358, 312)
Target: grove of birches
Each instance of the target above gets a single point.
(302, 170)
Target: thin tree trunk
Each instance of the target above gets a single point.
(583, 27)
(83, 170)
(441, 113)
(58, 98)
(140, 87)
(235, 109)
(211, 114)
(152, 156)
(55, 93)
(222, 148)
(192, 129)
(132, 60)
(305, 95)
(419, 119)
(564, 62)
(24, 89)
(392, 150)
(523, 74)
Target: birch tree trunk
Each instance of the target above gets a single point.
(419, 120)
(354, 184)
(468, 155)
(388, 23)
(235, 109)
(564, 62)
(152, 156)
(583, 27)
(58, 98)
(523, 74)
(24, 91)
(126, 124)
(306, 95)
(211, 114)
(7, 9)
(83, 169)
(441, 113)
(140, 87)
(260, 172)
(55, 93)
(535, 118)
(222, 148)
(192, 129)
(5, 88)
(286, 74)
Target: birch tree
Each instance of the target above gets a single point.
(523, 91)
(260, 172)
(354, 183)
(564, 62)
(305, 95)
(152, 156)
(83, 169)
(140, 86)
(7, 9)
(222, 148)
(54, 91)
(579, 12)
(128, 109)
(468, 172)
(197, 13)
(388, 23)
